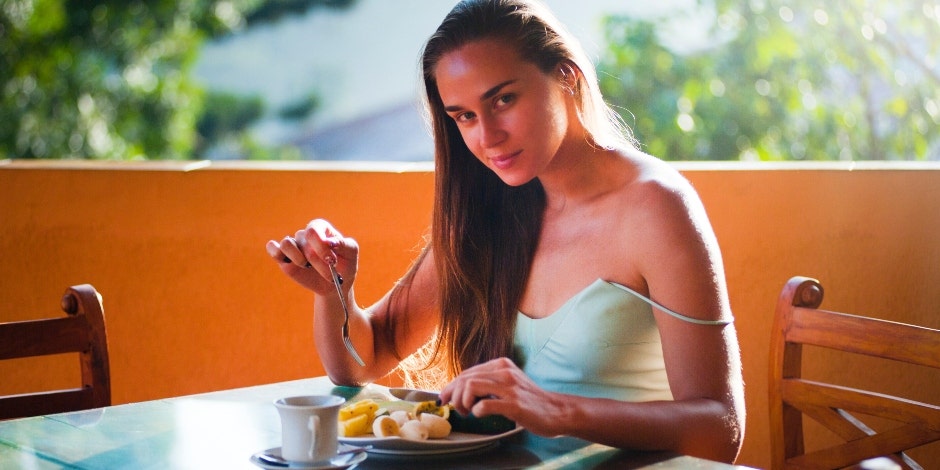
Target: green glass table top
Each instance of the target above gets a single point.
(223, 429)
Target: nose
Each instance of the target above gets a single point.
(491, 132)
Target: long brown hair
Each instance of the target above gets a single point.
(484, 232)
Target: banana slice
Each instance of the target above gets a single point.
(438, 427)
(414, 430)
(400, 417)
(385, 426)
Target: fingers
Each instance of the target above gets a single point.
(287, 251)
(476, 388)
(307, 255)
(317, 246)
(323, 241)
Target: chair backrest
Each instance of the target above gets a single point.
(82, 331)
(799, 321)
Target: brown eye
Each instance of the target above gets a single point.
(505, 99)
(464, 117)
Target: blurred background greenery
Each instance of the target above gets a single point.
(772, 80)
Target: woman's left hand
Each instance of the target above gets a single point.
(499, 387)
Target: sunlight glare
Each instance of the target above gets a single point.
(808, 98)
(757, 6)
(226, 13)
(749, 155)
(99, 138)
(730, 21)
(933, 109)
(921, 125)
(717, 87)
(900, 77)
(685, 122)
(798, 150)
(762, 86)
(805, 86)
(846, 154)
(762, 23)
(76, 142)
(86, 104)
(849, 119)
(809, 101)
(821, 17)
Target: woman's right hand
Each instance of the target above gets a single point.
(306, 256)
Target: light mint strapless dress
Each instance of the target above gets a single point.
(603, 342)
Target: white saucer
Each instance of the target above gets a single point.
(339, 462)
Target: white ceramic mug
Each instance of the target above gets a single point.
(309, 427)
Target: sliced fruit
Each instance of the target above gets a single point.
(414, 430)
(438, 426)
(357, 408)
(385, 426)
(400, 416)
(430, 407)
(356, 426)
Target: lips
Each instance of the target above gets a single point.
(504, 161)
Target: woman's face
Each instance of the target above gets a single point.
(512, 116)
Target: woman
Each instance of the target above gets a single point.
(559, 259)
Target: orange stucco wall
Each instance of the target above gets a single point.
(193, 304)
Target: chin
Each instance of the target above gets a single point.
(512, 178)
(515, 182)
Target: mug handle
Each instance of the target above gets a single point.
(312, 424)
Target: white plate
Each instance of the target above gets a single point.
(455, 442)
(336, 463)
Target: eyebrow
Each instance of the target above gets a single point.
(485, 96)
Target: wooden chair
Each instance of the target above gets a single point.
(82, 331)
(799, 321)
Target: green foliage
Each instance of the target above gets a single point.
(224, 114)
(111, 79)
(251, 150)
(301, 109)
(784, 79)
(273, 10)
(95, 79)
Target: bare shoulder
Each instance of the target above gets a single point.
(671, 227)
(659, 193)
(679, 246)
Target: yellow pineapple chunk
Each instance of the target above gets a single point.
(356, 426)
(360, 407)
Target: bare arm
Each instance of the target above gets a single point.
(684, 272)
(682, 268)
(413, 314)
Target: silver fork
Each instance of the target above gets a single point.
(342, 299)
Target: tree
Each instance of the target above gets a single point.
(784, 79)
(111, 79)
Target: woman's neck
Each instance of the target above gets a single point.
(579, 173)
